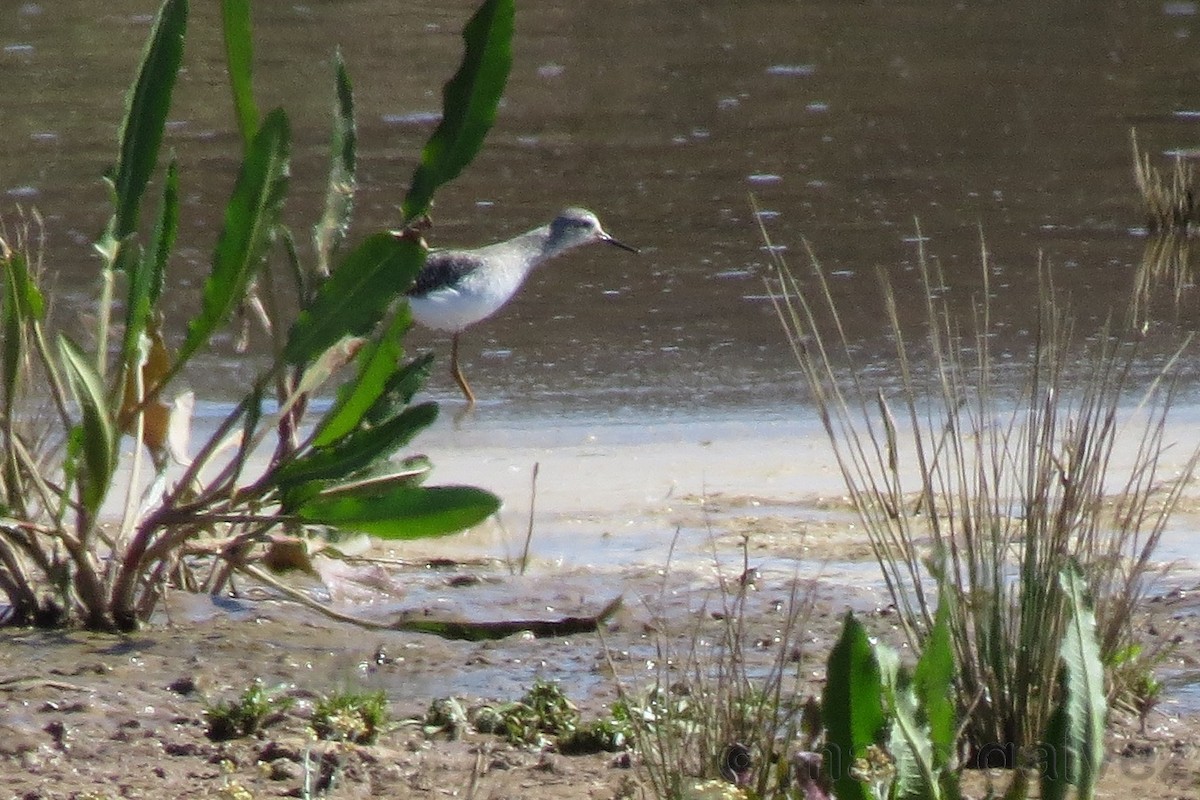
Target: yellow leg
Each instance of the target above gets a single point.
(456, 371)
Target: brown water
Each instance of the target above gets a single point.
(847, 121)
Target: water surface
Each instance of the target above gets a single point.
(847, 122)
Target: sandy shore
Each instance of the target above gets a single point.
(655, 513)
(612, 495)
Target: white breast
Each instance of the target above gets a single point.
(475, 298)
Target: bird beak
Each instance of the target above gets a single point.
(610, 240)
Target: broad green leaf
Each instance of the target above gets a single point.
(250, 218)
(403, 512)
(239, 60)
(146, 113)
(330, 230)
(384, 476)
(411, 471)
(377, 362)
(1073, 749)
(163, 241)
(147, 274)
(910, 744)
(852, 707)
(400, 388)
(908, 741)
(356, 295)
(30, 303)
(358, 450)
(97, 437)
(469, 102)
(933, 681)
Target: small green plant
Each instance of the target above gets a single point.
(448, 717)
(891, 732)
(544, 718)
(605, 735)
(93, 536)
(246, 715)
(358, 717)
(540, 718)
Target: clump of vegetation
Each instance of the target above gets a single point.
(605, 735)
(892, 731)
(358, 717)
(93, 536)
(246, 715)
(881, 730)
(714, 712)
(544, 718)
(983, 494)
(1170, 203)
(542, 715)
(448, 717)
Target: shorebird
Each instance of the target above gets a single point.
(457, 288)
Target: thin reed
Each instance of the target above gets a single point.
(979, 495)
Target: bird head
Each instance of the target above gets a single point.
(578, 226)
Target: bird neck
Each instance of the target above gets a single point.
(532, 248)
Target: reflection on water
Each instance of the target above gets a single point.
(846, 121)
(1165, 282)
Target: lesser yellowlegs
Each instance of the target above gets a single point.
(457, 288)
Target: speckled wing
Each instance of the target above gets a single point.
(443, 268)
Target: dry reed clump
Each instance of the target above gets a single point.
(977, 499)
(724, 714)
(1171, 202)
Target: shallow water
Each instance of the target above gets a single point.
(847, 122)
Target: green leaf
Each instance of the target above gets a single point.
(400, 388)
(1073, 749)
(852, 707)
(469, 102)
(239, 60)
(358, 450)
(377, 362)
(910, 743)
(250, 217)
(146, 113)
(411, 471)
(24, 289)
(147, 274)
(23, 305)
(98, 438)
(933, 682)
(330, 230)
(356, 296)
(908, 740)
(403, 512)
(382, 476)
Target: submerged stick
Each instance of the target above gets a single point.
(462, 630)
